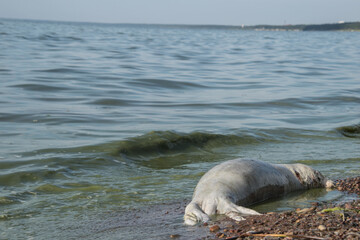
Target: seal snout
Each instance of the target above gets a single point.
(329, 184)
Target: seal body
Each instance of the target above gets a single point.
(229, 186)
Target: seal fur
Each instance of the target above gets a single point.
(229, 186)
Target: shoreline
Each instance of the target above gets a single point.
(321, 221)
(324, 27)
(336, 27)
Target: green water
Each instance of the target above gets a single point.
(156, 168)
(104, 128)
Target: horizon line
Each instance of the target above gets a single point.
(172, 24)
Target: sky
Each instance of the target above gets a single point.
(219, 12)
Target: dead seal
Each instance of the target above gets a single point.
(245, 182)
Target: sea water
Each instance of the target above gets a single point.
(106, 128)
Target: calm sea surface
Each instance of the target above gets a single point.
(99, 122)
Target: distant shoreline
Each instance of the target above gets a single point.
(341, 26)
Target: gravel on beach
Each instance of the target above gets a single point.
(321, 221)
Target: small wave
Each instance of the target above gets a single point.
(14, 117)
(74, 39)
(311, 73)
(181, 57)
(111, 102)
(350, 131)
(69, 187)
(16, 178)
(52, 37)
(48, 37)
(269, 38)
(285, 72)
(168, 142)
(128, 66)
(317, 69)
(156, 150)
(169, 149)
(39, 87)
(161, 83)
(119, 56)
(15, 198)
(282, 103)
(334, 161)
(330, 100)
(7, 200)
(58, 99)
(60, 70)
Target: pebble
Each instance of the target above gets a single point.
(221, 235)
(305, 210)
(321, 227)
(214, 228)
(347, 206)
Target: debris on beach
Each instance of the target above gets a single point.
(321, 221)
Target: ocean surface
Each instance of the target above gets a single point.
(105, 129)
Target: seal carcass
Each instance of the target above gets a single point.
(229, 186)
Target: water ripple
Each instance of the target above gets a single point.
(162, 83)
(52, 37)
(40, 87)
(61, 70)
(129, 112)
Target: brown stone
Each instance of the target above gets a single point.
(214, 228)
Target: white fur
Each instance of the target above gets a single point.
(245, 182)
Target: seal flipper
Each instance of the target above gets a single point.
(194, 214)
(234, 211)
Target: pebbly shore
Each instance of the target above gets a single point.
(321, 221)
